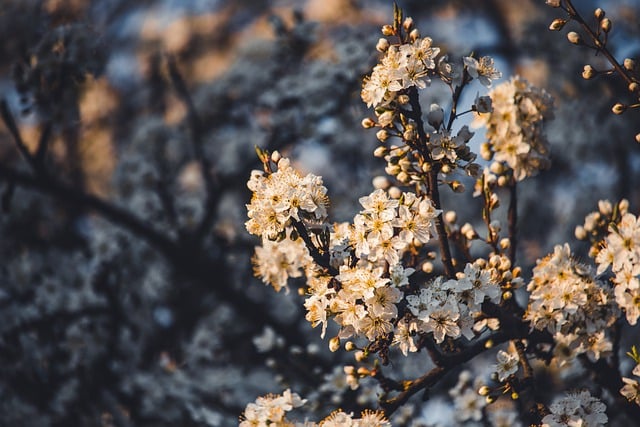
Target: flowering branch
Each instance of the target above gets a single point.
(361, 273)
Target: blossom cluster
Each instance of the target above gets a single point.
(276, 262)
(621, 251)
(408, 64)
(403, 66)
(271, 410)
(576, 409)
(361, 274)
(282, 196)
(567, 301)
(449, 308)
(386, 227)
(365, 302)
(515, 134)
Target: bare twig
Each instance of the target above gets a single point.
(513, 221)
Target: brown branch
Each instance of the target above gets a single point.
(601, 47)
(513, 221)
(449, 362)
(320, 258)
(434, 193)
(73, 197)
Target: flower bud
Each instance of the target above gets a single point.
(276, 156)
(392, 170)
(368, 123)
(403, 99)
(496, 167)
(382, 135)
(414, 34)
(485, 151)
(557, 24)
(387, 30)
(450, 217)
(427, 267)
(574, 37)
(588, 72)
(334, 344)
(629, 64)
(402, 177)
(638, 138)
(505, 243)
(618, 108)
(349, 346)
(623, 206)
(605, 25)
(468, 232)
(362, 371)
(605, 207)
(408, 23)
(380, 151)
(395, 192)
(484, 390)
(598, 13)
(382, 45)
(494, 260)
(634, 87)
(580, 233)
(381, 182)
(435, 115)
(409, 133)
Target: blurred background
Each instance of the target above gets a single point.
(126, 289)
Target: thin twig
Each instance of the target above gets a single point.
(513, 221)
(601, 47)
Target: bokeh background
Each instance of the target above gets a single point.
(126, 289)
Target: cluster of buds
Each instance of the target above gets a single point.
(596, 37)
